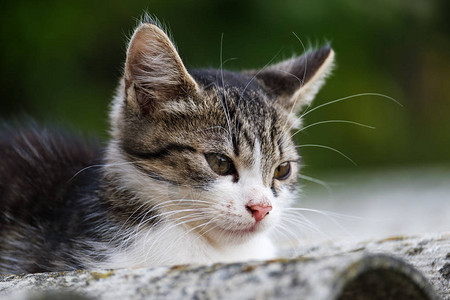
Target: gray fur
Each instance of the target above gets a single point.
(67, 204)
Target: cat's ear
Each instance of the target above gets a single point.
(296, 81)
(154, 71)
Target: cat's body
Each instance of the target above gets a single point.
(199, 168)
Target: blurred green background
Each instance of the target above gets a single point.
(60, 62)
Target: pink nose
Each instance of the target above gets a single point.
(258, 211)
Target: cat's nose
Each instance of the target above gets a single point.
(259, 211)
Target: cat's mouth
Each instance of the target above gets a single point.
(246, 230)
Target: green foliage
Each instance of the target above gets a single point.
(60, 62)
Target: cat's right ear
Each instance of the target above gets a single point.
(154, 72)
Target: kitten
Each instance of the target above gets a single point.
(198, 169)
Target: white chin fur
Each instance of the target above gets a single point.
(174, 245)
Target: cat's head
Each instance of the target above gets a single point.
(210, 149)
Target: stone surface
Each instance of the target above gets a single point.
(429, 253)
(325, 271)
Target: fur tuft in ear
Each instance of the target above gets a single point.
(296, 81)
(154, 71)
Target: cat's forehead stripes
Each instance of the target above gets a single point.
(209, 78)
(254, 122)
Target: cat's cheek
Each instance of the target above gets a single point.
(286, 196)
(232, 206)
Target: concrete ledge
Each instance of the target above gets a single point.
(416, 268)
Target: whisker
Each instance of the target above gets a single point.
(84, 169)
(329, 148)
(180, 201)
(256, 75)
(300, 81)
(103, 165)
(304, 51)
(223, 99)
(229, 59)
(350, 97)
(173, 225)
(317, 181)
(291, 238)
(201, 225)
(332, 121)
(304, 222)
(252, 79)
(145, 220)
(292, 108)
(128, 219)
(203, 233)
(328, 213)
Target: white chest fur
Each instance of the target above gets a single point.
(172, 245)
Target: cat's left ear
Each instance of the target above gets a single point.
(296, 81)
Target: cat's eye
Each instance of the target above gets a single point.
(283, 171)
(220, 164)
